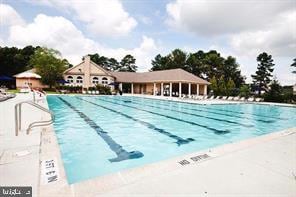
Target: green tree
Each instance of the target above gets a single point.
(128, 64)
(275, 93)
(245, 91)
(294, 65)
(222, 86)
(264, 71)
(230, 85)
(214, 86)
(49, 65)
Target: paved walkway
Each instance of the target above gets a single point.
(19, 155)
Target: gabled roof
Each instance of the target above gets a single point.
(172, 75)
(92, 63)
(28, 74)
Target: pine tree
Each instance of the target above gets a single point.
(264, 71)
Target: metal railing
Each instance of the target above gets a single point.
(18, 117)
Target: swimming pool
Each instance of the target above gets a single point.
(99, 135)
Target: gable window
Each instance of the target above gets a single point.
(70, 79)
(95, 80)
(104, 81)
(79, 79)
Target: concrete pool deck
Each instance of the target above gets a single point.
(261, 166)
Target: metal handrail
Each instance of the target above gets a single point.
(18, 115)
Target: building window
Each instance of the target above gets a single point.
(105, 81)
(95, 80)
(79, 79)
(70, 79)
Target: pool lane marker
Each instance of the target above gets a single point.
(191, 114)
(216, 131)
(260, 120)
(180, 140)
(114, 146)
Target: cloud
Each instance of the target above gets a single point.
(278, 39)
(212, 18)
(59, 33)
(9, 16)
(104, 17)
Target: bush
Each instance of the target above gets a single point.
(103, 89)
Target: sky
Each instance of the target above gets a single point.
(145, 28)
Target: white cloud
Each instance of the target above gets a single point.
(61, 34)
(104, 17)
(223, 17)
(8, 16)
(278, 39)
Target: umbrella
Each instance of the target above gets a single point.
(5, 78)
(28, 75)
(62, 81)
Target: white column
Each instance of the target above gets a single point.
(154, 89)
(205, 89)
(120, 87)
(189, 89)
(161, 89)
(197, 89)
(132, 88)
(180, 89)
(171, 89)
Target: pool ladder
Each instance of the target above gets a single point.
(18, 117)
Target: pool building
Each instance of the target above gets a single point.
(174, 82)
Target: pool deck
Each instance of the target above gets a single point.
(261, 166)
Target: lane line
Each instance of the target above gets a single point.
(121, 153)
(180, 140)
(217, 131)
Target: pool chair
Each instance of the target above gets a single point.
(224, 98)
(251, 99)
(88, 92)
(93, 92)
(97, 92)
(230, 98)
(83, 92)
(236, 98)
(212, 97)
(258, 99)
(242, 99)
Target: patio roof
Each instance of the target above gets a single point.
(172, 75)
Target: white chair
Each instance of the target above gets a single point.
(224, 97)
(242, 99)
(258, 99)
(236, 98)
(97, 92)
(230, 98)
(251, 99)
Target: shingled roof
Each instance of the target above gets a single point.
(172, 75)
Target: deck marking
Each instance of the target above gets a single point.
(217, 131)
(191, 114)
(260, 120)
(180, 140)
(121, 153)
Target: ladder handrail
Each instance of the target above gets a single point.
(18, 112)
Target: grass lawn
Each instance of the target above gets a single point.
(13, 91)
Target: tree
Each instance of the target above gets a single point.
(49, 65)
(128, 64)
(214, 86)
(275, 92)
(230, 87)
(264, 71)
(244, 91)
(294, 65)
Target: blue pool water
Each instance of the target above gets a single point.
(106, 134)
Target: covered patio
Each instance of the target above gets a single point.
(171, 83)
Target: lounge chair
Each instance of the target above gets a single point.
(212, 97)
(97, 92)
(258, 99)
(230, 98)
(83, 92)
(236, 98)
(242, 99)
(251, 99)
(88, 92)
(224, 98)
